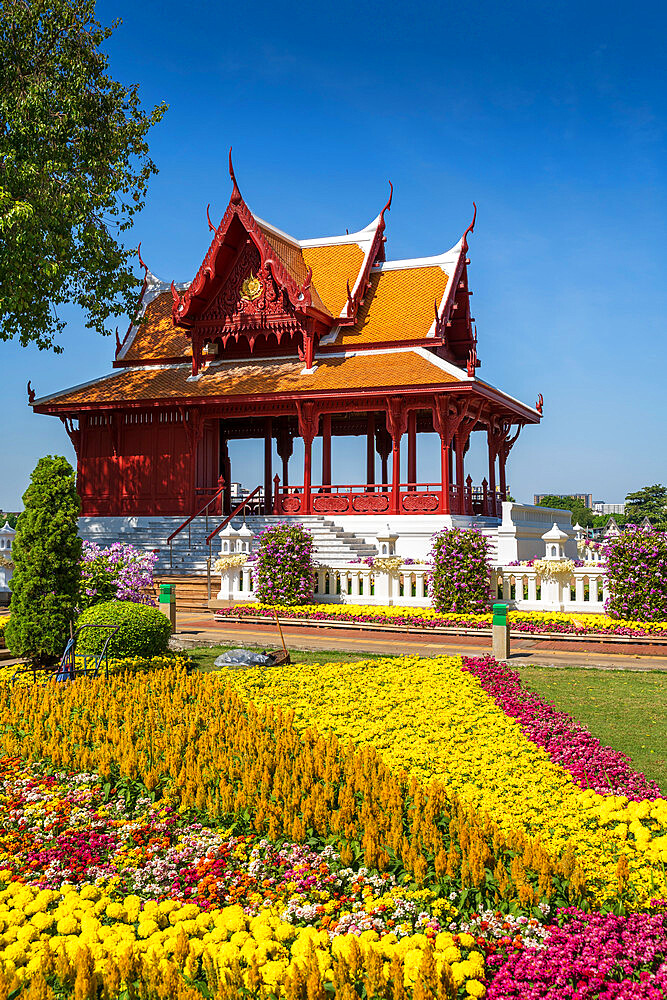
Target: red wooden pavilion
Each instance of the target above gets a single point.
(277, 337)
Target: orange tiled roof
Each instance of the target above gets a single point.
(291, 257)
(156, 337)
(333, 266)
(370, 371)
(398, 306)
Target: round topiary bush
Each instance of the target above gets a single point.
(144, 630)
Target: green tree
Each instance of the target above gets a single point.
(46, 554)
(650, 502)
(74, 169)
(580, 513)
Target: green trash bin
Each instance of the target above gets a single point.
(167, 602)
(500, 632)
(500, 614)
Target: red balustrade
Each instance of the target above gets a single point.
(362, 498)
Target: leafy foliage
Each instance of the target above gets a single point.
(650, 502)
(637, 572)
(284, 569)
(119, 571)
(74, 168)
(580, 512)
(460, 575)
(46, 552)
(144, 631)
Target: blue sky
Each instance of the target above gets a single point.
(551, 116)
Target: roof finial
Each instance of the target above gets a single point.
(539, 405)
(470, 229)
(118, 343)
(387, 207)
(141, 262)
(236, 194)
(210, 224)
(31, 393)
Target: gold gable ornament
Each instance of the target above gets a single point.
(251, 289)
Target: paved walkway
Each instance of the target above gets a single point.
(197, 629)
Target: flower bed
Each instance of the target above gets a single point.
(116, 665)
(567, 742)
(212, 846)
(589, 958)
(434, 719)
(534, 622)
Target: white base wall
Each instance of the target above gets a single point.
(520, 532)
(414, 531)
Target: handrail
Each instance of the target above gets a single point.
(222, 524)
(236, 511)
(193, 516)
(186, 524)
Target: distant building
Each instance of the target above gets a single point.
(586, 498)
(600, 507)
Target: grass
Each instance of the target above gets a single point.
(204, 657)
(626, 710)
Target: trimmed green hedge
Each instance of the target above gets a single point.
(145, 631)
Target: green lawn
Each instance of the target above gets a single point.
(204, 657)
(625, 709)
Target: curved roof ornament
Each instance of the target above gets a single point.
(141, 262)
(387, 207)
(211, 227)
(236, 198)
(470, 229)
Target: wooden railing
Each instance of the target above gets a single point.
(378, 498)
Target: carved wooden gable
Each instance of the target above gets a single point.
(249, 297)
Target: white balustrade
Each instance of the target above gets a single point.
(348, 583)
(584, 590)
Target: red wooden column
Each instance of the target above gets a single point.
(370, 450)
(383, 442)
(225, 474)
(285, 447)
(412, 449)
(397, 420)
(445, 475)
(492, 471)
(460, 482)
(193, 424)
(268, 471)
(503, 484)
(326, 449)
(309, 418)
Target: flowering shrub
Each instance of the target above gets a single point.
(567, 742)
(552, 569)
(284, 569)
(232, 561)
(637, 568)
(119, 571)
(460, 576)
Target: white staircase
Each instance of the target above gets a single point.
(333, 545)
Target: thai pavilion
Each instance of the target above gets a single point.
(278, 338)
